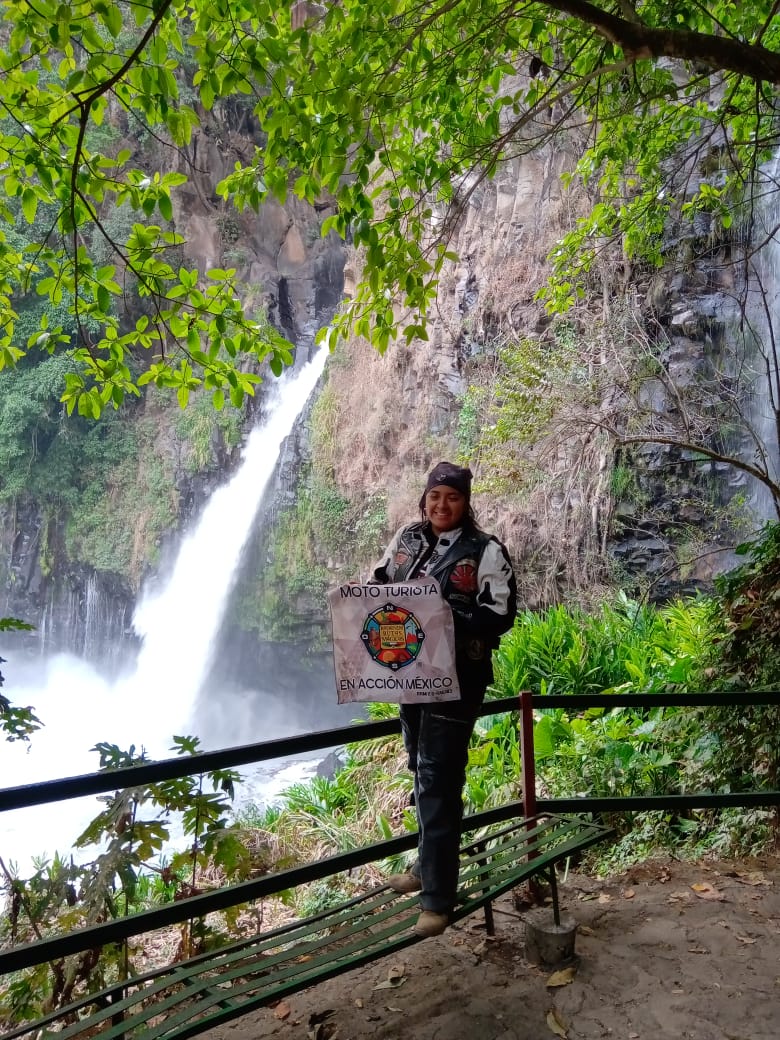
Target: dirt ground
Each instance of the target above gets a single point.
(667, 951)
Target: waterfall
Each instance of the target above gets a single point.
(92, 614)
(762, 371)
(178, 622)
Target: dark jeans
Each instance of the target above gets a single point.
(437, 739)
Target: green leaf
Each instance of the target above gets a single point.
(165, 207)
(29, 204)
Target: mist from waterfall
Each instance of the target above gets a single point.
(178, 620)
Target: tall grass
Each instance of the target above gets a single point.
(625, 646)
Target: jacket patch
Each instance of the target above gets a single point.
(464, 577)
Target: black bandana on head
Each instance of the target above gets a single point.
(453, 476)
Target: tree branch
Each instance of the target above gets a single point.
(699, 449)
(639, 40)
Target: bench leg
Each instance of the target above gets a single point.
(554, 893)
(118, 1018)
(490, 925)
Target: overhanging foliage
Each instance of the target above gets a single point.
(393, 110)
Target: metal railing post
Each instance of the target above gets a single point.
(527, 762)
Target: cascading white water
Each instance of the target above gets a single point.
(761, 373)
(178, 624)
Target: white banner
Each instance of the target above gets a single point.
(393, 643)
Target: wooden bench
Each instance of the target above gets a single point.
(189, 997)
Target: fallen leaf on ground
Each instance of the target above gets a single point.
(562, 977)
(556, 1024)
(676, 897)
(389, 1007)
(395, 977)
(744, 939)
(629, 893)
(704, 890)
(358, 1002)
(752, 878)
(282, 1011)
(604, 898)
(392, 983)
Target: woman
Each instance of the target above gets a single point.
(476, 579)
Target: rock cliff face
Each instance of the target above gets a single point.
(411, 401)
(577, 511)
(72, 607)
(287, 268)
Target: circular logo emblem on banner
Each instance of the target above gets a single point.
(393, 636)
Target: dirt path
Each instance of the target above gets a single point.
(668, 951)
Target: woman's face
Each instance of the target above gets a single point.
(445, 507)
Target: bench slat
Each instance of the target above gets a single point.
(181, 1000)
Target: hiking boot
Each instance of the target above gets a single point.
(430, 923)
(404, 883)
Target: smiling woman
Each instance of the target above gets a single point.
(445, 508)
(477, 581)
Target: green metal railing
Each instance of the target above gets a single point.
(40, 951)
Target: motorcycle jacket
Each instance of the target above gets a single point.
(476, 579)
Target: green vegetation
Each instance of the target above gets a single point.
(623, 647)
(201, 428)
(516, 398)
(83, 476)
(292, 569)
(127, 477)
(126, 874)
(416, 111)
(327, 536)
(107, 489)
(310, 545)
(752, 603)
